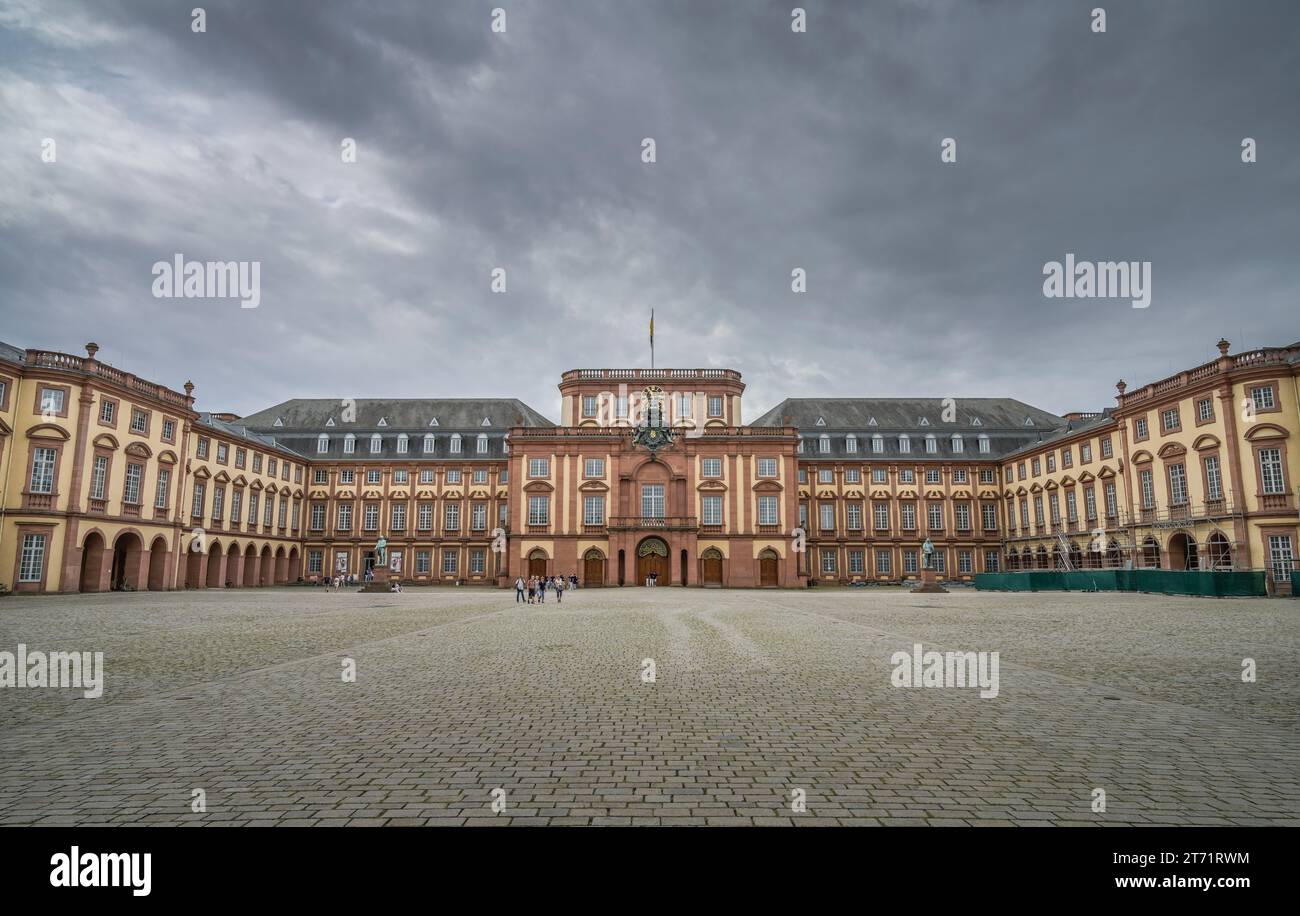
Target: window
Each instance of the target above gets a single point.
(503, 475)
(1024, 514)
(1020, 469)
(107, 410)
(1140, 428)
(455, 443)
(1213, 478)
(880, 514)
(297, 507)
(1281, 559)
(397, 521)
(1037, 465)
(986, 475)
(42, 480)
(1205, 410)
(478, 517)
(315, 562)
(884, 564)
(201, 448)
(826, 515)
(939, 559)
(1054, 506)
(375, 444)
(991, 561)
(824, 444)
(426, 475)
(1051, 462)
(1071, 506)
(345, 517)
(907, 516)
(712, 508)
(131, 487)
(139, 420)
(403, 443)
(593, 510)
(539, 467)
(904, 444)
(1090, 504)
(878, 444)
(1147, 488)
(98, 477)
(715, 405)
(825, 475)
(218, 503)
(767, 467)
(453, 475)
(1039, 517)
(984, 444)
(906, 475)
(851, 444)
(853, 516)
(620, 405)
(1107, 450)
(477, 561)
(1270, 470)
(1262, 396)
(1169, 420)
(317, 516)
(709, 467)
(683, 404)
(856, 566)
(223, 453)
(852, 475)
(236, 503)
(539, 510)
(958, 446)
(31, 565)
(347, 476)
(989, 516)
(374, 476)
(169, 430)
(959, 475)
(931, 444)
(267, 509)
(480, 475)
(160, 491)
(422, 564)
(964, 564)
(1085, 453)
(349, 444)
(828, 561)
(934, 512)
(451, 517)
(909, 561)
(401, 475)
(241, 457)
(1112, 503)
(196, 504)
(424, 516)
(428, 443)
(257, 463)
(589, 405)
(767, 511)
(1177, 485)
(879, 475)
(481, 444)
(652, 500)
(51, 403)
(961, 515)
(932, 475)
(450, 562)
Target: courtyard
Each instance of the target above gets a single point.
(766, 708)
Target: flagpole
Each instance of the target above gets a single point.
(652, 338)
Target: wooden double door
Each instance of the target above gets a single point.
(652, 557)
(767, 571)
(593, 570)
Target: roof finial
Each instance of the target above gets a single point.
(91, 349)
(1223, 346)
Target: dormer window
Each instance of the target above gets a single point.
(482, 445)
(374, 444)
(455, 443)
(851, 444)
(428, 443)
(402, 444)
(349, 444)
(322, 444)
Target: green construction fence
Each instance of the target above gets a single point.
(1219, 583)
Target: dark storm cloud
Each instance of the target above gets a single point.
(775, 151)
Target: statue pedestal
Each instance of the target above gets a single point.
(930, 583)
(378, 581)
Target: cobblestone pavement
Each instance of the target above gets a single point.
(757, 693)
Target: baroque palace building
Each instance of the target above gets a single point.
(111, 481)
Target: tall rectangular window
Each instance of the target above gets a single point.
(1213, 478)
(1280, 557)
(539, 510)
(711, 467)
(31, 563)
(42, 480)
(196, 504)
(827, 516)
(1112, 502)
(1271, 474)
(593, 510)
(594, 467)
(451, 517)
(317, 516)
(652, 500)
(767, 510)
(1178, 484)
(99, 476)
(712, 508)
(424, 516)
(218, 502)
(1148, 489)
(853, 516)
(478, 517)
(398, 517)
(880, 512)
(160, 492)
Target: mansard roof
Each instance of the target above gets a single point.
(908, 414)
(399, 414)
(1072, 428)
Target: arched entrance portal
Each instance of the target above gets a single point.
(768, 568)
(158, 554)
(652, 558)
(1182, 552)
(711, 568)
(128, 551)
(537, 562)
(92, 562)
(1218, 552)
(593, 568)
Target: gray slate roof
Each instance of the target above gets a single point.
(238, 431)
(400, 415)
(12, 354)
(1009, 425)
(1072, 428)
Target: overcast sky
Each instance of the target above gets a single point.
(775, 151)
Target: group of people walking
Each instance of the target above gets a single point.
(533, 589)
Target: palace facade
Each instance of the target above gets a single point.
(113, 481)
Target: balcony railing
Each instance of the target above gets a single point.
(662, 523)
